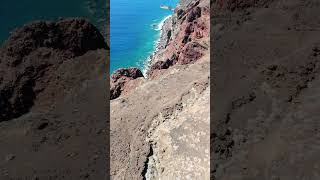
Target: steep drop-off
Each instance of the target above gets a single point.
(160, 123)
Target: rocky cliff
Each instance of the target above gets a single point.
(53, 101)
(184, 38)
(160, 123)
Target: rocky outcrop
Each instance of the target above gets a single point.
(184, 40)
(120, 78)
(191, 52)
(31, 55)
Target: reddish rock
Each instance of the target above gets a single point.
(191, 52)
(120, 78)
(187, 44)
(132, 73)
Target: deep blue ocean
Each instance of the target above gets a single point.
(132, 34)
(15, 13)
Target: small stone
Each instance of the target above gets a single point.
(9, 157)
(42, 125)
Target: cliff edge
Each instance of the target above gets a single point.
(160, 123)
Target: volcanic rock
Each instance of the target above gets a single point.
(239, 4)
(191, 52)
(120, 78)
(132, 73)
(30, 56)
(265, 89)
(184, 35)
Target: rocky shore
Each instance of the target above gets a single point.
(162, 120)
(53, 101)
(184, 39)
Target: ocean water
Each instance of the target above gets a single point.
(132, 35)
(15, 13)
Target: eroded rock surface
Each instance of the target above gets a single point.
(32, 54)
(266, 80)
(120, 79)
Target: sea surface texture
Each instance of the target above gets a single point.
(134, 29)
(15, 13)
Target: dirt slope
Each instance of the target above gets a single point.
(156, 127)
(62, 133)
(266, 70)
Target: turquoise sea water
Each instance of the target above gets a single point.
(14, 13)
(132, 35)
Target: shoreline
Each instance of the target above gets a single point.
(148, 61)
(160, 25)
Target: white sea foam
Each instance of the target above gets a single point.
(160, 25)
(146, 62)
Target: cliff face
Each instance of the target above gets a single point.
(184, 38)
(266, 87)
(160, 123)
(53, 101)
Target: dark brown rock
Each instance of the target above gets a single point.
(120, 77)
(240, 4)
(189, 30)
(30, 56)
(162, 64)
(159, 65)
(180, 13)
(68, 37)
(127, 72)
(194, 14)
